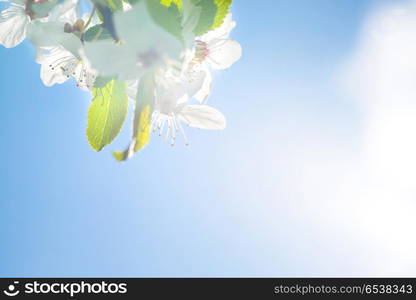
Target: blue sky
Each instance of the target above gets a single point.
(256, 199)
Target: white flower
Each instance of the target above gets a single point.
(67, 60)
(58, 65)
(201, 76)
(51, 31)
(13, 24)
(143, 45)
(171, 109)
(216, 49)
(197, 80)
(205, 90)
(17, 21)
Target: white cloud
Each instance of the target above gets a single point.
(354, 207)
(382, 190)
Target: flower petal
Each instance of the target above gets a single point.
(139, 31)
(205, 89)
(222, 32)
(193, 82)
(223, 53)
(52, 61)
(202, 116)
(51, 34)
(13, 24)
(170, 93)
(65, 12)
(125, 65)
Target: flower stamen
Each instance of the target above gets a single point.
(172, 124)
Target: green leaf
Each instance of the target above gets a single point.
(114, 5)
(106, 114)
(207, 17)
(142, 118)
(132, 2)
(168, 3)
(101, 81)
(169, 18)
(121, 155)
(96, 33)
(105, 14)
(223, 7)
(213, 13)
